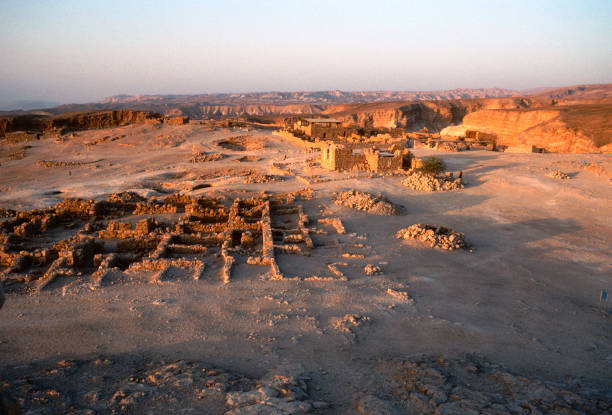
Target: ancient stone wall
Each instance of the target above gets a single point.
(338, 157)
(21, 136)
(179, 120)
(379, 163)
(317, 131)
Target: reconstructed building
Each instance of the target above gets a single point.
(321, 128)
(380, 161)
(341, 157)
(330, 128)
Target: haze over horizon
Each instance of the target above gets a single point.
(84, 51)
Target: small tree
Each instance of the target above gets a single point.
(432, 165)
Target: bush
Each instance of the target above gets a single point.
(432, 165)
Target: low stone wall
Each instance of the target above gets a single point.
(296, 140)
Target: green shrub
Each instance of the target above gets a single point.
(432, 165)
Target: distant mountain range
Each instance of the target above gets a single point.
(24, 104)
(313, 97)
(569, 119)
(316, 102)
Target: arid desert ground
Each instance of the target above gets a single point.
(351, 320)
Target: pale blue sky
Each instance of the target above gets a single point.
(84, 50)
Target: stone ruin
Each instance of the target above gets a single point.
(556, 174)
(329, 129)
(343, 157)
(177, 120)
(376, 204)
(434, 236)
(424, 182)
(127, 235)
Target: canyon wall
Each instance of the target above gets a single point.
(413, 116)
(213, 110)
(567, 129)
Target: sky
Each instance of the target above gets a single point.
(63, 51)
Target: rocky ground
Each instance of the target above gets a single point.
(156, 305)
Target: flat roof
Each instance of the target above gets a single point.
(322, 120)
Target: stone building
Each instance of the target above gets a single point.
(322, 128)
(380, 161)
(341, 157)
(177, 120)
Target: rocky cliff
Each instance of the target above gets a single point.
(75, 121)
(564, 129)
(432, 115)
(210, 110)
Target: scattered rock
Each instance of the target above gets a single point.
(471, 385)
(371, 405)
(281, 392)
(202, 157)
(372, 270)
(349, 325)
(132, 385)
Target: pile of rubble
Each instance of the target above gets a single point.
(471, 385)
(557, 174)
(366, 202)
(434, 236)
(432, 183)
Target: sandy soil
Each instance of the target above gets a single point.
(527, 297)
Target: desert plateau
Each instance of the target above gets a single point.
(374, 250)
